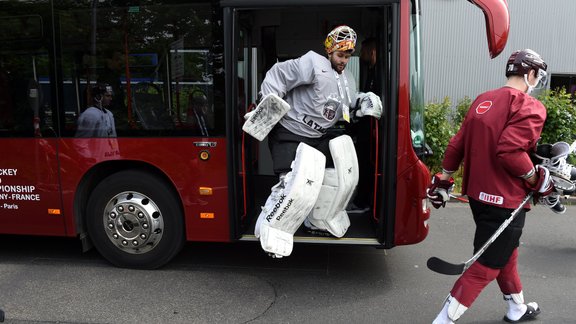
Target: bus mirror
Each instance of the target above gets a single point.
(497, 23)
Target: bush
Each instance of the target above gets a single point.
(441, 122)
(461, 111)
(438, 131)
(561, 118)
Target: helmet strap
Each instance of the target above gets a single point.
(531, 87)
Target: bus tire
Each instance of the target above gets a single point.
(135, 220)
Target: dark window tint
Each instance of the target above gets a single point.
(25, 81)
(163, 62)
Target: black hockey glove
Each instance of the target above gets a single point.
(439, 191)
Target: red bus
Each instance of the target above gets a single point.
(170, 176)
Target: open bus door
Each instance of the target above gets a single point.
(262, 33)
(401, 195)
(497, 23)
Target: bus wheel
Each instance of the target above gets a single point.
(135, 221)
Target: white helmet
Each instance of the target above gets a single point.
(341, 38)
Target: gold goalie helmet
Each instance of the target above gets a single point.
(341, 38)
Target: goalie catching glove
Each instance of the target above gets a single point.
(368, 104)
(439, 191)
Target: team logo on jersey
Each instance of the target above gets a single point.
(483, 107)
(330, 108)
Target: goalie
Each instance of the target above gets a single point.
(302, 99)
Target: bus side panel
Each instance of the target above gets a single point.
(412, 175)
(206, 216)
(412, 225)
(29, 191)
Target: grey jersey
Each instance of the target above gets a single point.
(315, 92)
(94, 122)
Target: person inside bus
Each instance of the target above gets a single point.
(97, 120)
(111, 74)
(370, 81)
(370, 78)
(302, 99)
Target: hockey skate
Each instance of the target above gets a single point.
(313, 230)
(553, 157)
(553, 202)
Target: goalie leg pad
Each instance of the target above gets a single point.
(261, 120)
(291, 201)
(329, 212)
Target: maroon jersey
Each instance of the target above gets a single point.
(500, 129)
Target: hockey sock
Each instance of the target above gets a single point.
(515, 311)
(442, 317)
(451, 311)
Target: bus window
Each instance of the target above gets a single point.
(159, 60)
(25, 108)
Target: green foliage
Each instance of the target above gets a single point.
(560, 125)
(561, 117)
(441, 122)
(438, 131)
(461, 111)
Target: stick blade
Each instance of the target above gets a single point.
(438, 265)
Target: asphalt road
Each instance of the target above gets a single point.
(48, 280)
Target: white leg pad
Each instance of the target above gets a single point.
(261, 120)
(329, 212)
(291, 201)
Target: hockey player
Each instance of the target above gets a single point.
(302, 99)
(494, 142)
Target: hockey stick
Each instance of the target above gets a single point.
(438, 265)
(459, 198)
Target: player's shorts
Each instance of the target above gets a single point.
(283, 145)
(488, 218)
